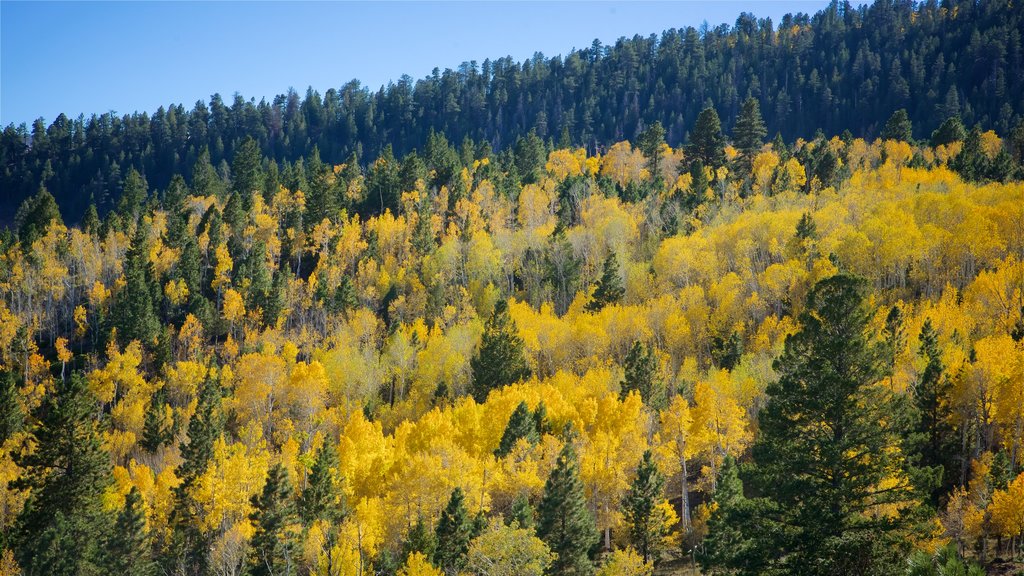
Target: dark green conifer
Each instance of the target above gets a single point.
(500, 360)
(564, 521)
(272, 548)
(127, 549)
(57, 531)
(750, 130)
(647, 523)
(641, 375)
(898, 127)
(609, 287)
(520, 425)
(454, 531)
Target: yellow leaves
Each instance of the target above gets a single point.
(234, 306)
(564, 163)
(626, 562)
(234, 475)
(190, 336)
(418, 565)
(991, 144)
(536, 211)
(176, 292)
(623, 164)
(1007, 509)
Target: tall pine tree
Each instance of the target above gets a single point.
(67, 474)
(609, 289)
(127, 547)
(454, 531)
(836, 495)
(647, 523)
(565, 523)
(501, 360)
(272, 547)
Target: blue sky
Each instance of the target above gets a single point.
(90, 57)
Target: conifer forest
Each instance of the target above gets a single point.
(746, 299)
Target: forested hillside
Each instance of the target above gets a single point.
(801, 358)
(844, 68)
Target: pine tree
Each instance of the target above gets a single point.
(133, 313)
(12, 417)
(421, 538)
(34, 215)
(650, 142)
(520, 425)
(898, 127)
(127, 550)
(67, 474)
(273, 544)
(724, 550)
(155, 431)
(821, 508)
(609, 289)
(647, 525)
(706, 142)
(247, 172)
(322, 499)
(699, 185)
(641, 375)
(564, 522)
(133, 195)
(750, 131)
(951, 130)
(522, 512)
(971, 163)
(933, 414)
(454, 531)
(500, 360)
(189, 544)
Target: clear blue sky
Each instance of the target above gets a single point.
(91, 57)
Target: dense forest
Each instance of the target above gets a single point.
(730, 356)
(844, 68)
(735, 301)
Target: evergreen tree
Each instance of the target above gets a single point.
(647, 523)
(421, 538)
(820, 511)
(750, 130)
(641, 375)
(931, 393)
(609, 289)
(322, 498)
(189, 545)
(273, 545)
(133, 312)
(522, 512)
(500, 360)
(156, 431)
(951, 130)
(520, 425)
(564, 522)
(133, 194)
(454, 531)
(91, 220)
(971, 163)
(898, 127)
(699, 185)
(12, 417)
(56, 532)
(650, 142)
(35, 215)
(724, 548)
(127, 550)
(706, 142)
(806, 229)
(247, 172)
